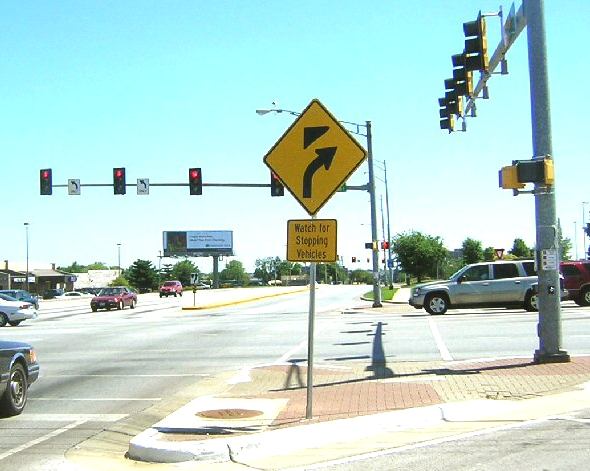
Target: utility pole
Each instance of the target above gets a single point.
(547, 251)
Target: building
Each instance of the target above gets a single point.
(14, 276)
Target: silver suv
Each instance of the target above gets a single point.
(503, 283)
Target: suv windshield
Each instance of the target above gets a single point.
(170, 283)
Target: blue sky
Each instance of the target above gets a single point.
(158, 87)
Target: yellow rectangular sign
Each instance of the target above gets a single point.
(311, 240)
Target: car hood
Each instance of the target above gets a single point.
(433, 283)
(8, 345)
(106, 298)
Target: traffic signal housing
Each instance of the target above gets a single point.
(527, 171)
(276, 186)
(195, 181)
(476, 44)
(119, 183)
(447, 118)
(45, 181)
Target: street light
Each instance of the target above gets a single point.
(119, 257)
(584, 203)
(26, 224)
(370, 186)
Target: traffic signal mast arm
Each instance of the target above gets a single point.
(514, 25)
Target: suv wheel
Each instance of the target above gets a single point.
(531, 302)
(436, 304)
(584, 299)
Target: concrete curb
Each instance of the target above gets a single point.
(154, 446)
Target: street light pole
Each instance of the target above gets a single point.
(119, 257)
(26, 224)
(576, 238)
(584, 203)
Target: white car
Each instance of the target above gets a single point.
(13, 312)
(74, 295)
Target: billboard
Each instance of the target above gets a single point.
(198, 243)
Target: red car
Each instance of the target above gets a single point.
(171, 288)
(116, 297)
(576, 275)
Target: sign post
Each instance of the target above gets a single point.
(313, 160)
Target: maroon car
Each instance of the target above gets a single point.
(116, 297)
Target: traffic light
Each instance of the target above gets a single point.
(119, 186)
(353, 259)
(276, 186)
(508, 178)
(527, 171)
(462, 78)
(384, 245)
(45, 181)
(476, 44)
(195, 181)
(447, 118)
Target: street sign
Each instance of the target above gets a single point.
(311, 240)
(143, 186)
(73, 186)
(315, 157)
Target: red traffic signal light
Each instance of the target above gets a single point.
(119, 181)
(45, 181)
(276, 186)
(384, 245)
(195, 181)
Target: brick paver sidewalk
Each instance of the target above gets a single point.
(357, 389)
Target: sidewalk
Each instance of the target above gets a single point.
(256, 419)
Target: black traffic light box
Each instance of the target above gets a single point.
(476, 44)
(45, 181)
(119, 183)
(195, 181)
(276, 186)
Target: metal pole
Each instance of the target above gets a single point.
(389, 264)
(376, 287)
(27, 244)
(576, 238)
(584, 203)
(547, 249)
(119, 257)
(310, 333)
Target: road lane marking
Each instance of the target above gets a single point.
(95, 398)
(440, 344)
(70, 417)
(42, 439)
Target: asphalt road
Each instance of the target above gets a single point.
(101, 369)
(556, 444)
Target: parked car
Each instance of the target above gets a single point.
(18, 369)
(74, 295)
(576, 278)
(490, 284)
(52, 293)
(116, 297)
(22, 295)
(13, 311)
(170, 288)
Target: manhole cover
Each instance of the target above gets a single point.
(229, 414)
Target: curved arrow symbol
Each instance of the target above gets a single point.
(325, 156)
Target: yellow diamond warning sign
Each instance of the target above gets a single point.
(314, 157)
(311, 240)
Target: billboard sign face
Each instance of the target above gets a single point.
(198, 243)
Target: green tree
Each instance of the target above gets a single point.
(234, 271)
(520, 249)
(361, 276)
(419, 254)
(267, 268)
(182, 271)
(74, 268)
(119, 281)
(565, 244)
(142, 275)
(97, 266)
(472, 251)
(489, 254)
